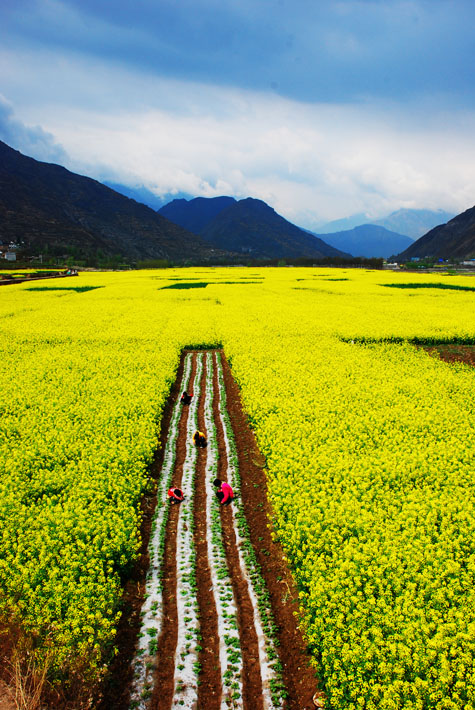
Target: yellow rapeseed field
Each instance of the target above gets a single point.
(369, 444)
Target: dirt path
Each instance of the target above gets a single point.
(452, 353)
(217, 624)
(28, 279)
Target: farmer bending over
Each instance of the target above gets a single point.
(199, 439)
(186, 398)
(175, 495)
(224, 493)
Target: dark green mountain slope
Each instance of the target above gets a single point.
(454, 240)
(195, 214)
(44, 206)
(252, 227)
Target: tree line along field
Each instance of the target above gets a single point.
(368, 443)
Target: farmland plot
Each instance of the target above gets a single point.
(170, 665)
(366, 445)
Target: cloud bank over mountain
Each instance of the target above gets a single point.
(321, 109)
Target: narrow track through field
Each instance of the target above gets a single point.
(211, 629)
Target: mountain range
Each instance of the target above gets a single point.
(369, 240)
(248, 227)
(414, 223)
(196, 213)
(242, 226)
(48, 209)
(409, 222)
(142, 194)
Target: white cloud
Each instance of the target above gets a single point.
(30, 140)
(311, 162)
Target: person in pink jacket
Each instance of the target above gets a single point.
(224, 493)
(175, 495)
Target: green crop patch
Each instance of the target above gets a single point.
(203, 284)
(188, 284)
(78, 289)
(448, 287)
(236, 283)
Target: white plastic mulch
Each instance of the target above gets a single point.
(186, 655)
(230, 658)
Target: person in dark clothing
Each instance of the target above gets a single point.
(186, 398)
(175, 495)
(224, 493)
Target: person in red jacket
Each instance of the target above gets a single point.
(175, 495)
(224, 493)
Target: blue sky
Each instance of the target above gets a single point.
(321, 108)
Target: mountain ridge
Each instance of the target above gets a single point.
(196, 213)
(47, 208)
(454, 240)
(414, 223)
(142, 194)
(252, 227)
(409, 222)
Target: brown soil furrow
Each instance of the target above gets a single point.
(252, 681)
(209, 693)
(298, 676)
(164, 681)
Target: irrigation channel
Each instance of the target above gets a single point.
(216, 627)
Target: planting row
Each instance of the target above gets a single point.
(187, 666)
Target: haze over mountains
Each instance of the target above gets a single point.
(414, 223)
(405, 222)
(409, 222)
(240, 225)
(142, 194)
(48, 209)
(368, 240)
